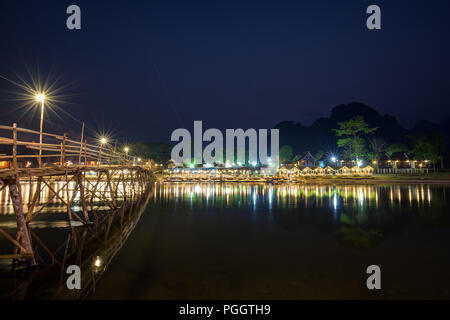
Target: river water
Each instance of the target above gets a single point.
(263, 241)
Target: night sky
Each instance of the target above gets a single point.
(145, 68)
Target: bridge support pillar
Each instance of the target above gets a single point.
(15, 193)
(111, 190)
(82, 196)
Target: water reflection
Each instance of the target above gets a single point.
(295, 195)
(63, 192)
(286, 241)
(358, 215)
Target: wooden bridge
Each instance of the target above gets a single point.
(89, 246)
(75, 173)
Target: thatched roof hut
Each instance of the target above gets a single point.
(319, 170)
(343, 170)
(283, 170)
(356, 169)
(307, 170)
(368, 170)
(329, 170)
(288, 172)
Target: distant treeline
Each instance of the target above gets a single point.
(320, 138)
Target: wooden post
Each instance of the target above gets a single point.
(16, 199)
(15, 146)
(63, 149)
(30, 191)
(112, 195)
(82, 196)
(85, 147)
(69, 201)
(81, 144)
(99, 160)
(61, 154)
(118, 152)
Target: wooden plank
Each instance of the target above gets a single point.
(15, 146)
(14, 256)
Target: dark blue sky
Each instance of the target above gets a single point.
(145, 68)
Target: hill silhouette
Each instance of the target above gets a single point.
(320, 135)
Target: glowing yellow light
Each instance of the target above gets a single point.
(103, 140)
(97, 262)
(139, 159)
(126, 149)
(40, 97)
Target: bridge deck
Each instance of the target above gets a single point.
(7, 174)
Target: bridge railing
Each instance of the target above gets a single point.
(60, 149)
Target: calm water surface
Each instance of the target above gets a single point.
(245, 241)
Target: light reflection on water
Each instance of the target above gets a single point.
(295, 195)
(332, 200)
(369, 207)
(47, 195)
(253, 241)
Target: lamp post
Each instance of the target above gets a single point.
(126, 149)
(102, 142)
(40, 97)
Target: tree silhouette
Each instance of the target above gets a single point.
(352, 134)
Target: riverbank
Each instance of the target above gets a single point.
(438, 178)
(431, 178)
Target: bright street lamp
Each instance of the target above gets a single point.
(126, 149)
(40, 97)
(103, 140)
